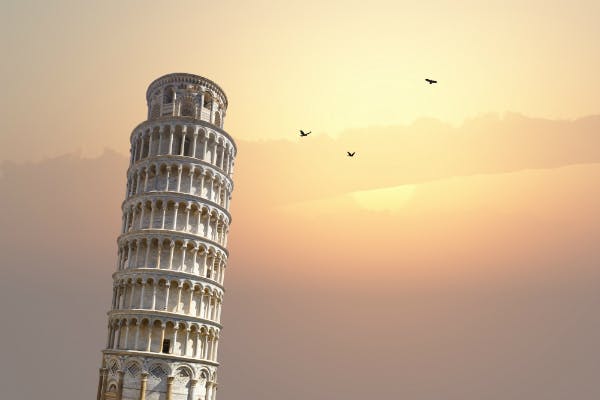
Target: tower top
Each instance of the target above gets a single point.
(186, 95)
(181, 80)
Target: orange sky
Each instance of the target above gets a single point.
(454, 257)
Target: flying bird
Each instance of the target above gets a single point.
(351, 154)
(304, 134)
(430, 81)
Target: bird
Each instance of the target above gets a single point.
(351, 154)
(304, 134)
(430, 81)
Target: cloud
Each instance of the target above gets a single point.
(282, 172)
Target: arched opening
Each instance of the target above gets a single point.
(157, 379)
(131, 381)
(111, 392)
(168, 95)
(187, 147)
(202, 384)
(187, 108)
(181, 384)
(208, 100)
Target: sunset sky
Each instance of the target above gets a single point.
(455, 256)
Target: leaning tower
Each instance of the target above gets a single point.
(164, 324)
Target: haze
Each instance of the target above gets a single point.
(454, 257)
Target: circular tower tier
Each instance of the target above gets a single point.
(164, 324)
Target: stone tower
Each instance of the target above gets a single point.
(163, 328)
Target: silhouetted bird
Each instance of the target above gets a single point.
(304, 134)
(430, 81)
(351, 154)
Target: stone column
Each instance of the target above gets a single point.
(149, 342)
(111, 335)
(185, 342)
(214, 391)
(156, 176)
(146, 179)
(152, 206)
(192, 392)
(143, 383)
(161, 130)
(191, 299)
(101, 383)
(137, 335)
(137, 253)
(168, 167)
(204, 146)
(168, 286)
(179, 171)
(201, 104)
(154, 295)
(120, 375)
(158, 251)
(196, 344)
(181, 152)
(131, 295)
(199, 220)
(201, 307)
(176, 206)
(170, 387)
(143, 207)
(192, 170)
(213, 157)
(175, 329)
(125, 344)
(194, 258)
(117, 341)
(151, 134)
(164, 215)
(188, 209)
(163, 327)
(171, 255)
(142, 146)
(127, 262)
(195, 140)
(201, 184)
(209, 386)
(147, 257)
(171, 140)
(183, 251)
(179, 288)
(141, 305)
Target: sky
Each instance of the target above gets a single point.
(455, 256)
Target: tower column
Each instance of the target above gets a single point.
(101, 383)
(192, 393)
(158, 251)
(152, 207)
(120, 385)
(171, 140)
(143, 383)
(194, 142)
(170, 387)
(161, 131)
